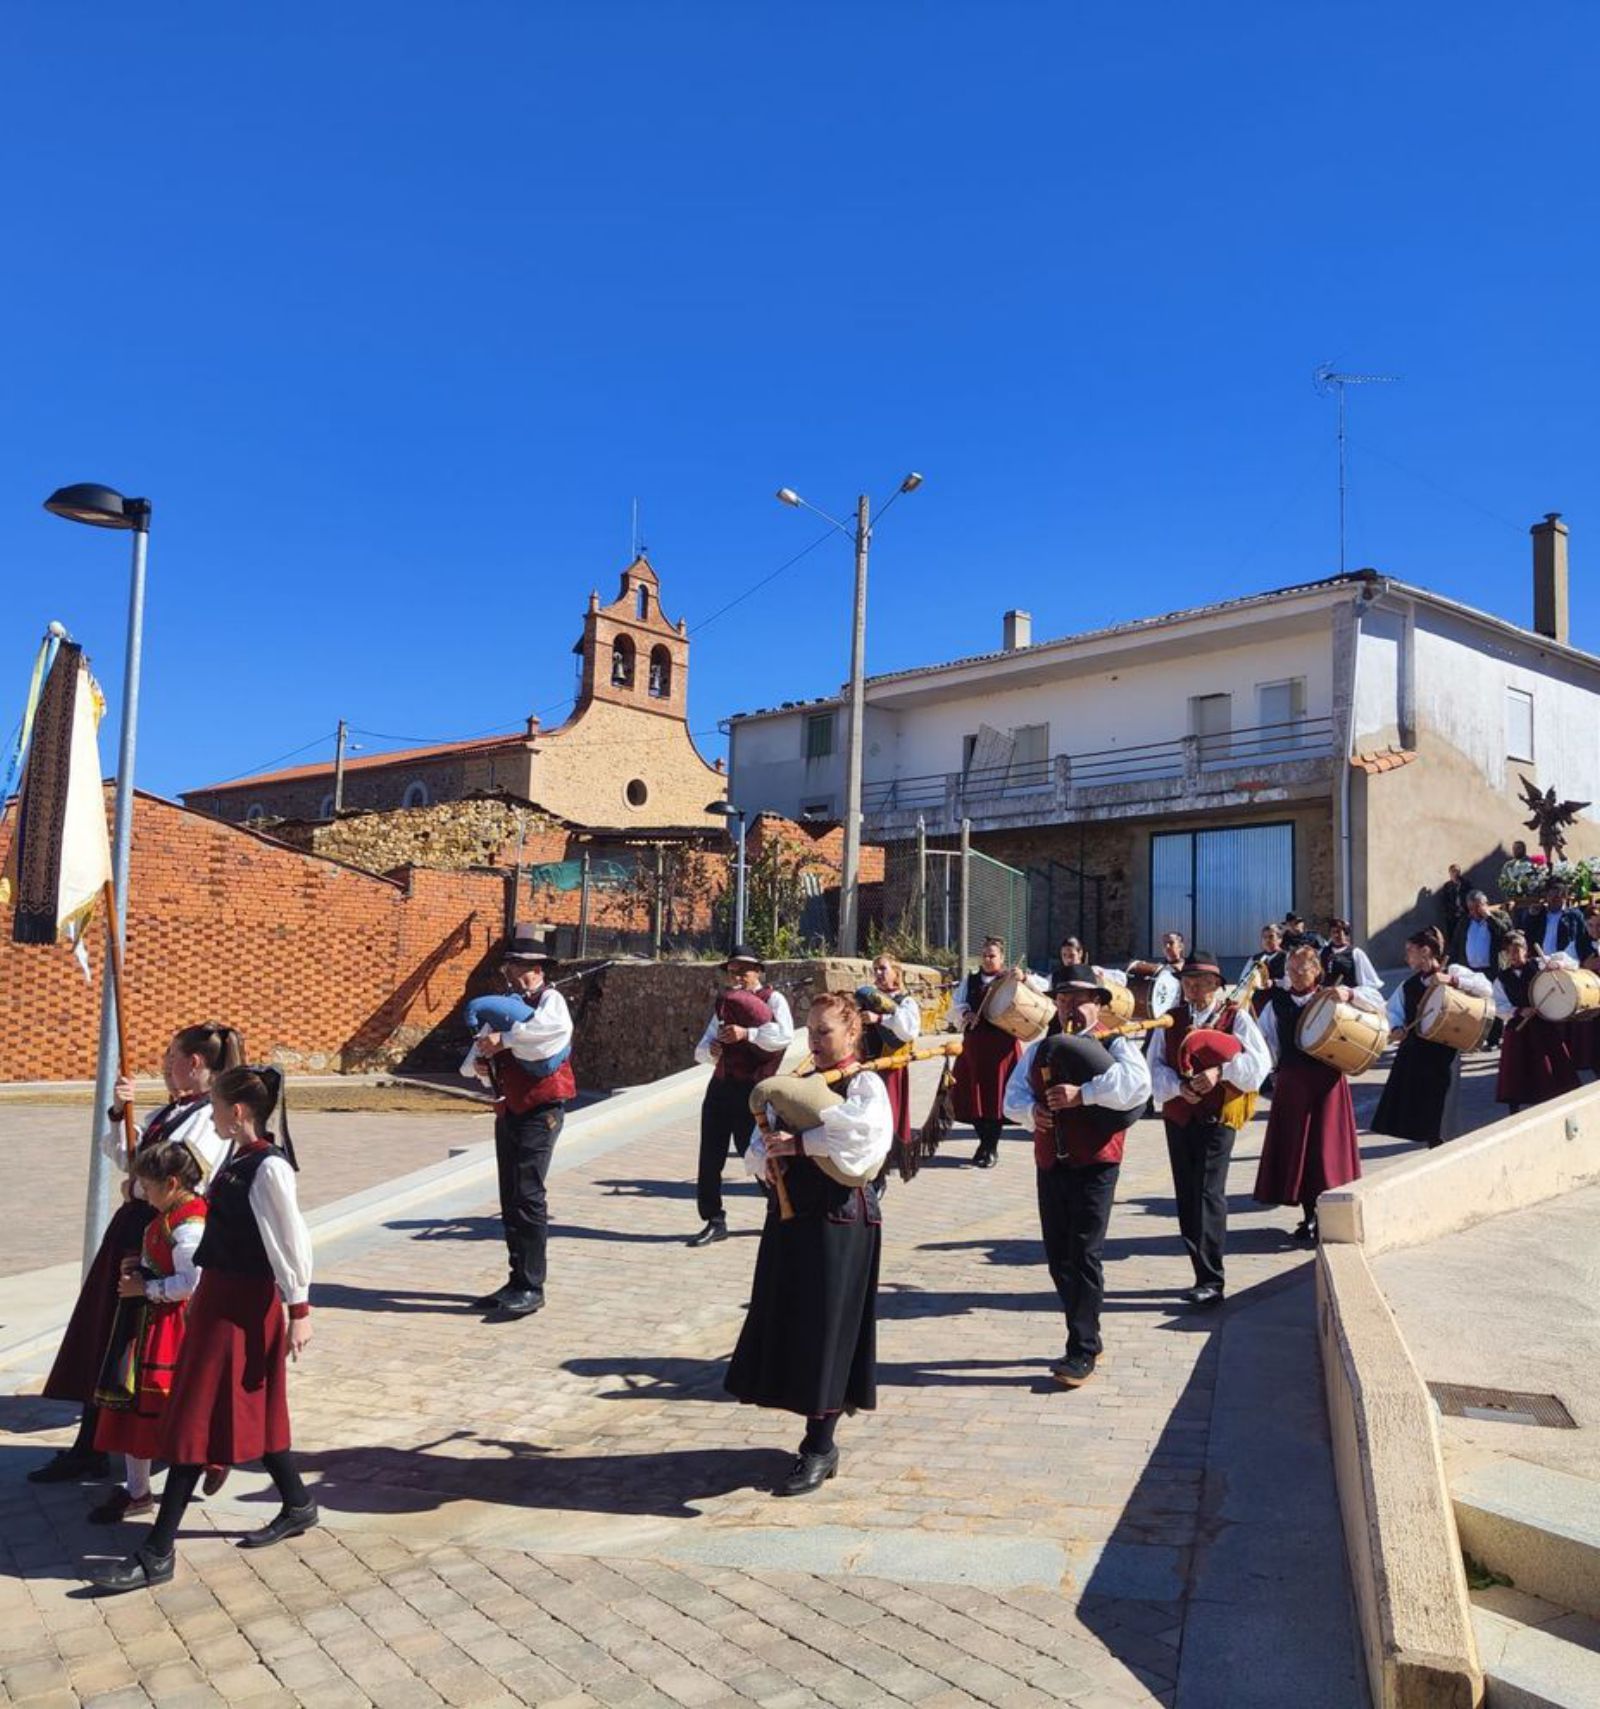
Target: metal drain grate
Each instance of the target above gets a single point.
(1501, 1406)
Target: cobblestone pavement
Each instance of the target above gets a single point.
(566, 1510)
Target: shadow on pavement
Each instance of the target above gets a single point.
(639, 1188)
(342, 1297)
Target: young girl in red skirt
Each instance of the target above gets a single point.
(193, 1057)
(250, 1313)
(1535, 1054)
(137, 1376)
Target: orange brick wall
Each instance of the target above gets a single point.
(319, 965)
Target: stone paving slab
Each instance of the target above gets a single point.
(567, 1510)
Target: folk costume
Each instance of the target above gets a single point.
(1200, 1136)
(1077, 1153)
(1536, 1058)
(533, 1081)
(809, 1340)
(1310, 1143)
(1351, 966)
(1419, 1099)
(893, 1021)
(725, 1109)
(984, 1066)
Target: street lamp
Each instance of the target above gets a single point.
(727, 810)
(103, 507)
(850, 873)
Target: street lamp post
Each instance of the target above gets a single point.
(102, 507)
(727, 810)
(850, 872)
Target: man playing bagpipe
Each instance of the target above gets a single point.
(891, 1021)
(1080, 1090)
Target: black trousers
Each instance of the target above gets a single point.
(988, 1129)
(523, 1145)
(1074, 1209)
(724, 1116)
(1200, 1154)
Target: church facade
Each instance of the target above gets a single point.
(624, 758)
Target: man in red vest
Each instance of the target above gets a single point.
(530, 1067)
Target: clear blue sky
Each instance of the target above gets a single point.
(393, 309)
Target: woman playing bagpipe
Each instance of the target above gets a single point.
(989, 1055)
(1310, 1144)
(153, 1298)
(1419, 1099)
(892, 1019)
(192, 1058)
(251, 1313)
(1536, 1060)
(809, 1341)
(1206, 1070)
(1274, 958)
(1079, 1090)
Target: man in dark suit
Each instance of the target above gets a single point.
(1452, 902)
(1556, 928)
(1478, 937)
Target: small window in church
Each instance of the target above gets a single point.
(644, 602)
(660, 673)
(325, 810)
(622, 662)
(637, 793)
(254, 813)
(416, 795)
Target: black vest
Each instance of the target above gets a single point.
(1339, 966)
(1515, 982)
(1286, 1015)
(232, 1241)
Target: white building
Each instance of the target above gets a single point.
(1333, 746)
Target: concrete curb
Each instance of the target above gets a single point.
(1400, 1535)
(587, 1132)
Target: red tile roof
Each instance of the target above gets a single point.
(1383, 759)
(366, 762)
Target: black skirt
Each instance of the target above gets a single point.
(1419, 1098)
(809, 1342)
(76, 1370)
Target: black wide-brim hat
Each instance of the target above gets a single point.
(741, 955)
(526, 945)
(1083, 980)
(1201, 961)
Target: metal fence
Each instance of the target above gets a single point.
(930, 895)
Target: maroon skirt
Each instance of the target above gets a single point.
(1536, 1061)
(1310, 1143)
(897, 1083)
(1583, 1043)
(982, 1069)
(230, 1401)
(76, 1370)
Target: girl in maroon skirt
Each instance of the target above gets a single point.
(193, 1058)
(988, 1055)
(251, 1312)
(136, 1379)
(893, 1022)
(1535, 1054)
(1310, 1144)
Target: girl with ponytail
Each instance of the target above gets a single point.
(194, 1057)
(1419, 1101)
(251, 1313)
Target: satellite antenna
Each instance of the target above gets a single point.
(1328, 379)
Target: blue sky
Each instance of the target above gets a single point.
(392, 310)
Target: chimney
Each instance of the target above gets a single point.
(1019, 625)
(1550, 577)
(533, 724)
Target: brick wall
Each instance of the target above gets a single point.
(320, 966)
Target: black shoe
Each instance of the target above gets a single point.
(119, 1505)
(519, 1302)
(809, 1472)
(715, 1230)
(140, 1571)
(72, 1465)
(1075, 1370)
(1305, 1232)
(1207, 1297)
(984, 1158)
(491, 1302)
(289, 1523)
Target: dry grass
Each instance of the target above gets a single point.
(389, 1099)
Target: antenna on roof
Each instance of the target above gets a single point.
(636, 546)
(1328, 379)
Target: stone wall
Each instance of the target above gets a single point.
(447, 835)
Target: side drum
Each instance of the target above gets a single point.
(1015, 1007)
(1340, 1035)
(1566, 994)
(1450, 1017)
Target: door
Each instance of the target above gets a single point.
(1220, 887)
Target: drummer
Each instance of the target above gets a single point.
(989, 1055)
(1310, 1144)
(1344, 962)
(1536, 1060)
(1072, 955)
(1419, 1100)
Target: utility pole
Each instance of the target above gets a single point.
(338, 769)
(850, 874)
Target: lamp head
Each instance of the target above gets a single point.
(725, 809)
(100, 507)
(787, 495)
(911, 482)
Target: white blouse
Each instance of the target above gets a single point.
(1474, 984)
(276, 1207)
(905, 1023)
(1244, 1073)
(1125, 1085)
(546, 1032)
(163, 1290)
(856, 1134)
(196, 1132)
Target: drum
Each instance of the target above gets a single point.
(1013, 1005)
(794, 1103)
(1142, 987)
(1450, 1017)
(1566, 994)
(1341, 1036)
(1123, 1003)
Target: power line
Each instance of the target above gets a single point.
(756, 587)
(266, 765)
(1428, 481)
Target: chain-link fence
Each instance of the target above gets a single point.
(1067, 903)
(927, 893)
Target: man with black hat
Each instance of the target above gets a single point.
(749, 1030)
(1203, 1108)
(1077, 1146)
(529, 1064)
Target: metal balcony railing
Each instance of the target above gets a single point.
(1138, 762)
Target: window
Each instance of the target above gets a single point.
(1519, 725)
(1030, 756)
(968, 743)
(1211, 719)
(637, 793)
(660, 673)
(416, 794)
(1280, 711)
(254, 812)
(622, 662)
(325, 809)
(643, 602)
(816, 809)
(819, 735)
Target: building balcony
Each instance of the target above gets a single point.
(1238, 768)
